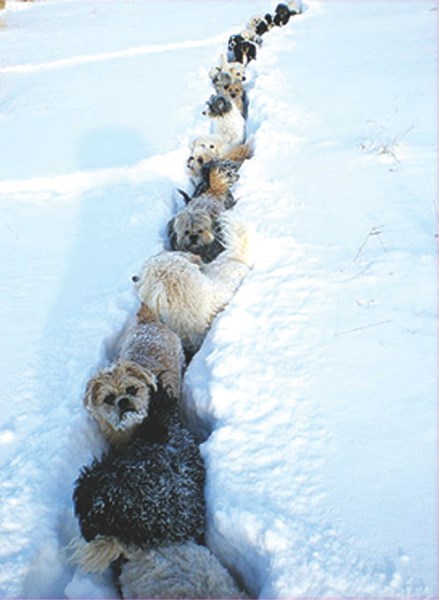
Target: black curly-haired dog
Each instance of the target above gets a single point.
(282, 14)
(146, 494)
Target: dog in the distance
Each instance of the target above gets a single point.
(235, 70)
(241, 49)
(187, 570)
(186, 294)
(283, 13)
(260, 25)
(227, 121)
(119, 397)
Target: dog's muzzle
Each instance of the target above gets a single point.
(124, 405)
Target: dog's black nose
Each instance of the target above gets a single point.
(135, 278)
(193, 238)
(123, 403)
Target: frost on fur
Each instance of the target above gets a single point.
(178, 571)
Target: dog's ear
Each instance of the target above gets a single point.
(141, 374)
(91, 391)
(186, 196)
(155, 426)
(172, 235)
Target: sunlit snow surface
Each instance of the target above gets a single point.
(315, 390)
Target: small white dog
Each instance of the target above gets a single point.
(227, 121)
(186, 294)
(186, 570)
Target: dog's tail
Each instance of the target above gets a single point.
(145, 315)
(235, 237)
(97, 555)
(239, 153)
(221, 175)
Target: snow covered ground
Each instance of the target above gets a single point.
(315, 390)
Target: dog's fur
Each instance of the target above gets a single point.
(261, 25)
(206, 148)
(216, 177)
(146, 494)
(119, 397)
(186, 570)
(228, 122)
(186, 294)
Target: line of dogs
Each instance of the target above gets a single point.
(141, 507)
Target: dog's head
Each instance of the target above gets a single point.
(233, 90)
(191, 231)
(119, 399)
(218, 106)
(234, 70)
(282, 15)
(234, 40)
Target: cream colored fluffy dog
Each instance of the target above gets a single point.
(119, 397)
(226, 120)
(185, 570)
(186, 294)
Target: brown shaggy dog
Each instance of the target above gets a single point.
(119, 397)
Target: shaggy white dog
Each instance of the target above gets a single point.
(227, 121)
(186, 294)
(177, 571)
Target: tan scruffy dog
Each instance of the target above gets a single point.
(205, 148)
(186, 294)
(119, 397)
(235, 91)
(196, 228)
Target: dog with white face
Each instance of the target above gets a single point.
(226, 120)
(119, 397)
(186, 294)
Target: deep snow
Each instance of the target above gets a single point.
(315, 390)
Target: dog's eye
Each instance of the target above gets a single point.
(131, 390)
(110, 399)
(226, 87)
(186, 232)
(212, 146)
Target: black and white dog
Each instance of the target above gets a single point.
(241, 49)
